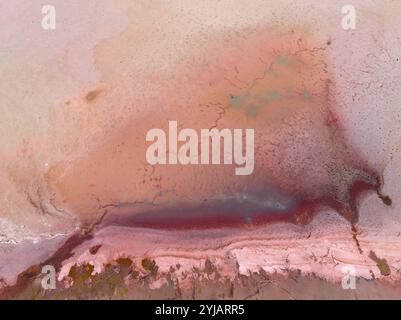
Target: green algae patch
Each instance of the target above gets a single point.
(149, 265)
(381, 264)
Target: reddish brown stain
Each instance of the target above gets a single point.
(92, 95)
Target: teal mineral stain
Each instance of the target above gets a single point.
(271, 73)
(284, 61)
(237, 101)
(272, 95)
(307, 95)
(253, 111)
